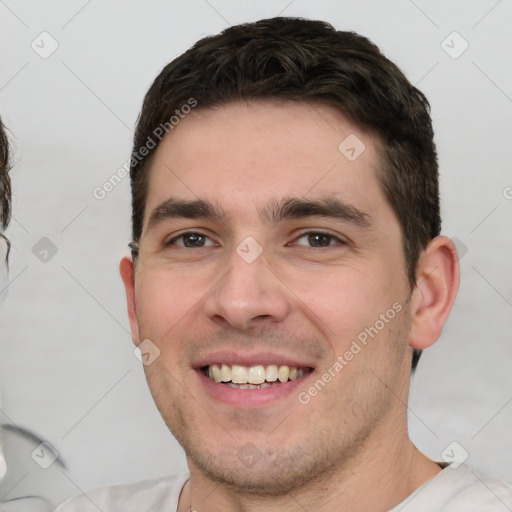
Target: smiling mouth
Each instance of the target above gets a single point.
(253, 377)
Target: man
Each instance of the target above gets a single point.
(286, 267)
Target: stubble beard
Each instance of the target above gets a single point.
(281, 470)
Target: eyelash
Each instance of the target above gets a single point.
(337, 240)
(173, 240)
(332, 237)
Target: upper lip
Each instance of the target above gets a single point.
(235, 356)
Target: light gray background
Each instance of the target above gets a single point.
(67, 366)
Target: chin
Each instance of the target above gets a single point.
(270, 477)
(268, 472)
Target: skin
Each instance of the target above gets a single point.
(348, 448)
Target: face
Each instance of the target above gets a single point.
(269, 257)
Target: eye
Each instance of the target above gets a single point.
(191, 240)
(318, 239)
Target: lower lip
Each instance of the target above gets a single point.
(247, 398)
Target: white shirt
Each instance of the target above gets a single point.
(451, 490)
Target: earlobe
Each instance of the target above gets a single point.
(126, 269)
(436, 288)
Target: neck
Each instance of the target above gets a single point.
(377, 479)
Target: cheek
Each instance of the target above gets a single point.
(344, 299)
(356, 310)
(166, 300)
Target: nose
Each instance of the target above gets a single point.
(250, 294)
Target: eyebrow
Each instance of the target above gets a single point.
(295, 208)
(173, 209)
(273, 213)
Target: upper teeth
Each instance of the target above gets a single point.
(253, 374)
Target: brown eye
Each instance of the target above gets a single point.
(318, 240)
(191, 240)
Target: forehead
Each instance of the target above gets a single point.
(242, 155)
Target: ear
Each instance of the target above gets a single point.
(126, 270)
(437, 283)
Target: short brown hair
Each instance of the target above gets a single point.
(301, 60)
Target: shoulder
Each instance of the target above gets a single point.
(482, 492)
(155, 494)
(460, 489)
